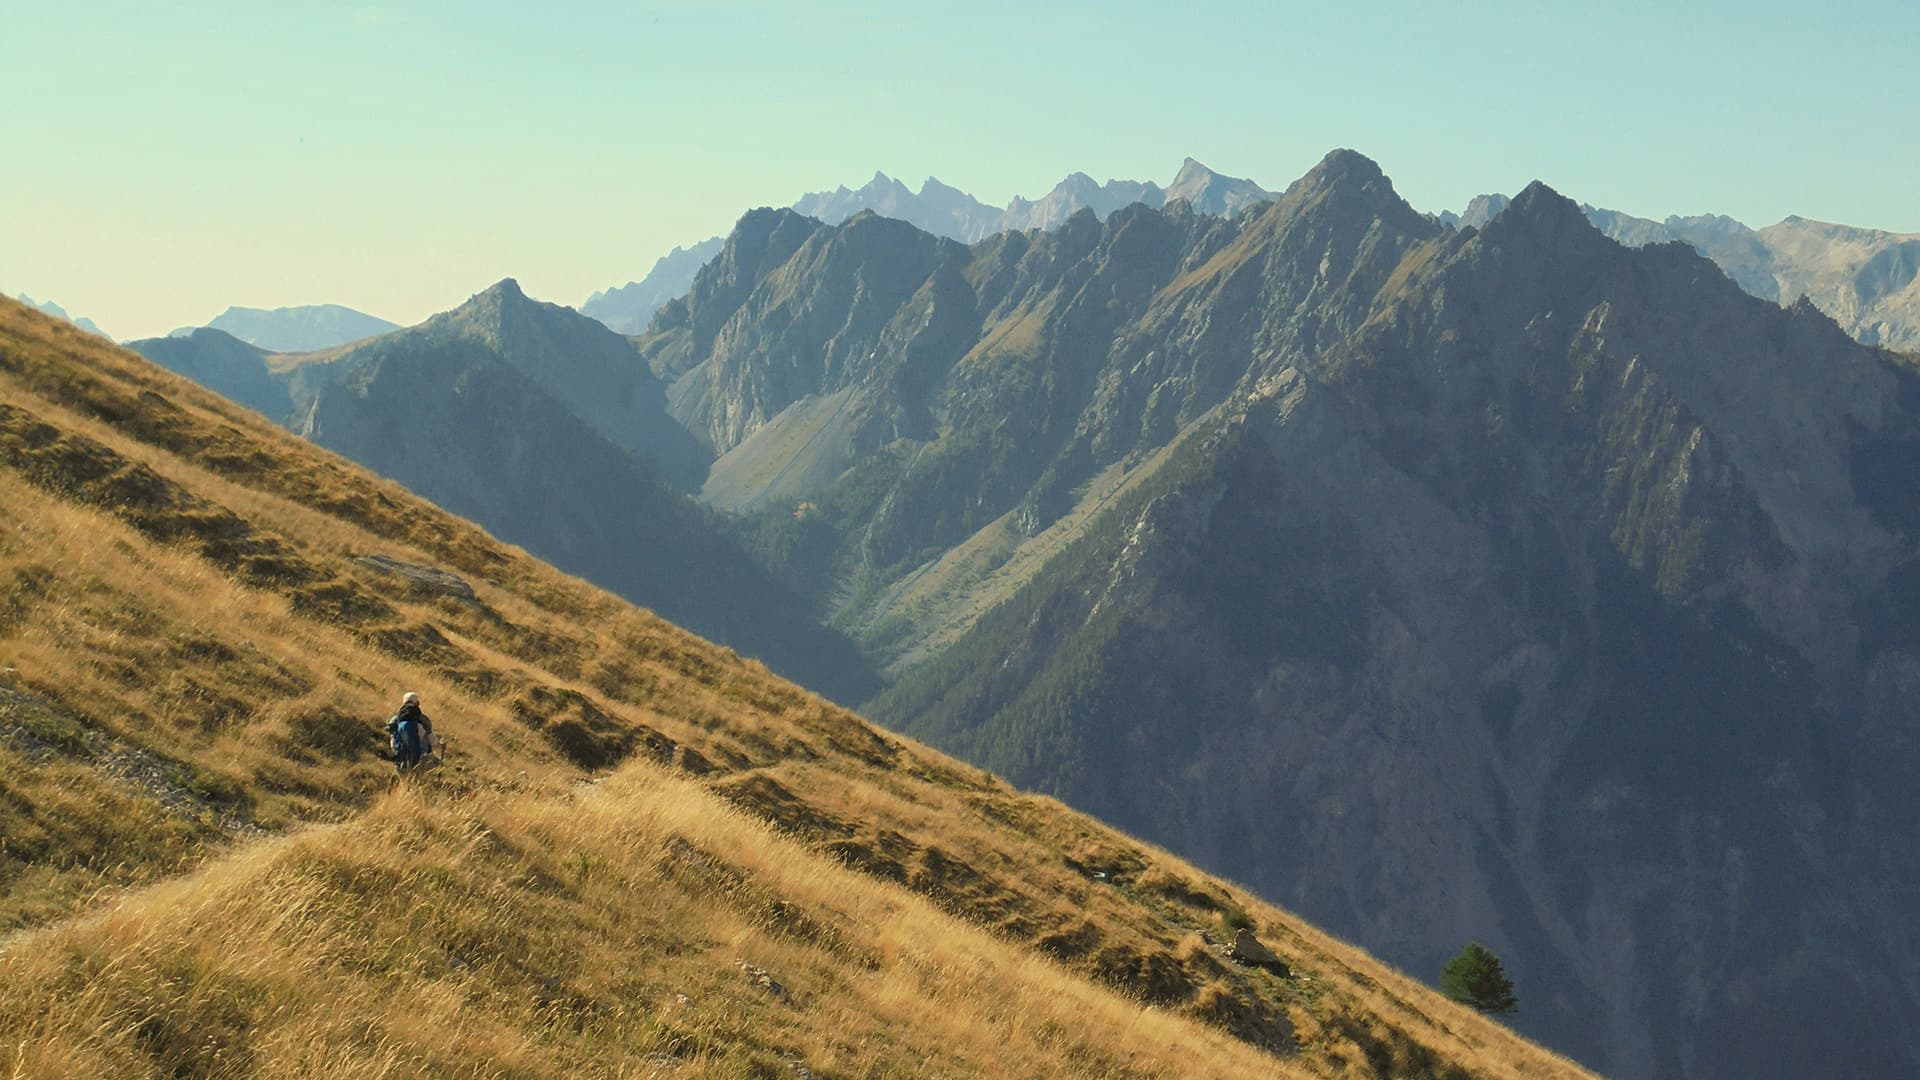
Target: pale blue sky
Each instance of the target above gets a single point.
(166, 160)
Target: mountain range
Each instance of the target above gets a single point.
(638, 853)
(1498, 581)
(1439, 582)
(942, 211)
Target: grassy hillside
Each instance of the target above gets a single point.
(644, 856)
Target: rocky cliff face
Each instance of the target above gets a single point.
(1556, 595)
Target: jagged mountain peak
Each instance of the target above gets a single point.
(1341, 165)
(1191, 169)
(1210, 192)
(1541, 211)
(763, 219)
(932, 186)
(762, 228)
(1192, 178)
(1718, 223)
(497, 304)
(1077, 182)
(882, 182)
(504, 318)
(1352, 186)
(506, 289)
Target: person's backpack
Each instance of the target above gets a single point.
(403, 736)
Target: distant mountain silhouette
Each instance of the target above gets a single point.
(297, 329)
(59, 312)
(630, 307)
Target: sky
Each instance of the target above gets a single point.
(160, 162)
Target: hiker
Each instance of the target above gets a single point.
(410, 733)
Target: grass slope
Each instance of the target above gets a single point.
(645, 856)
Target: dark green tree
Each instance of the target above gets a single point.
(1477, 978)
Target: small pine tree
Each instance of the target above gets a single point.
(1477, 978)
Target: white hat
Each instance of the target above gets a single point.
(411, 699)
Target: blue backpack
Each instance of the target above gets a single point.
(403, 733)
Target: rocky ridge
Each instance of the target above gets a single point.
(938, 209)
(1866, 279)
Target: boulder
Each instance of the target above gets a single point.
(1248, 950)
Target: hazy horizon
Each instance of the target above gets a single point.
(396, 158)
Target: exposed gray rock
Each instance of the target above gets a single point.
(429, 578)
(1248, 950)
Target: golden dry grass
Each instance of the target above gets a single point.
(206, 869)
(596, 931)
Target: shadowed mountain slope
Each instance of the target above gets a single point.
(547, 428)
(242, 372)
(642, 854)
(1561, 581)
(1564, 602)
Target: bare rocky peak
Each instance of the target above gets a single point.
(1867, 280)
(1209, 192)
(1482, 209)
